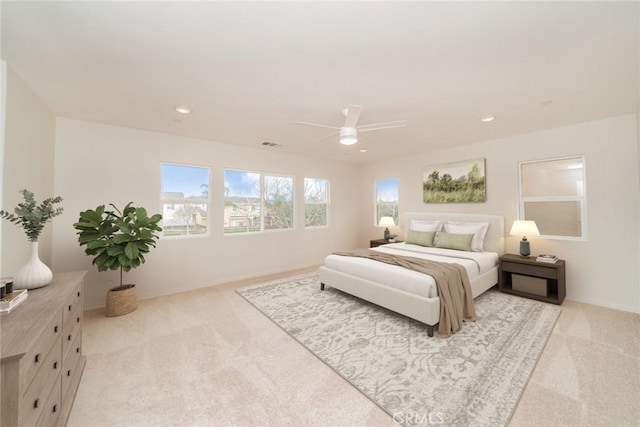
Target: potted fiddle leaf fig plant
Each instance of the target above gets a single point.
(118, 240)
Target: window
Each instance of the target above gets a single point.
(256, 202)
(184, 194)
(387, 199)
(278, 202)
(316, 202)
(552, 193)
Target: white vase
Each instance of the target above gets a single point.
(34, 274)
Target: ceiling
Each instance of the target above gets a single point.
(250, 69)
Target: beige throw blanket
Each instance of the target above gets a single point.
(454, 288)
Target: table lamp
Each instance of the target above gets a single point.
(386, 221)
(524, 229)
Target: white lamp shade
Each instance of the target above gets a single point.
(524, 228)
(386, 221)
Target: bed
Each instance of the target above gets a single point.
(410, 293)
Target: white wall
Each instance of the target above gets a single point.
(3, 97)
(602, 270)
(29, 141)
(100, 164)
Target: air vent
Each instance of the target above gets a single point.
(270, 144)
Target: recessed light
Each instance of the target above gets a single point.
(183, 109)
(488, 119)
(363, 150)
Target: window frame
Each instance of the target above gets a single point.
(262, 202)
(326, 203)
(396, 215)
(175, 202)
(582, 200)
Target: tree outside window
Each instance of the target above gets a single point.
(316, 202)
(255, 202)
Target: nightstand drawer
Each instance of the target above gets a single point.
(529, 269)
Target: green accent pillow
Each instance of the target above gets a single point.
(422, 238)
(461, 242)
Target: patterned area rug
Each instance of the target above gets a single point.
(474, 377)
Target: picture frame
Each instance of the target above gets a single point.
(455, 182)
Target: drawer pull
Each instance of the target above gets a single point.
(55, 365)
(69, 373)
(55, 329)
(69, 338)
(69, 307)
(78, 294)
(36, 403)
(37, 358)
(77, 319)
(77, 349)
(54, 409)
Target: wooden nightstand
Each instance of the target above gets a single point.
(379, 242)
(526, 277)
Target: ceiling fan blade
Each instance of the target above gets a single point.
(316, 125)
(352, 115)
(378, 126)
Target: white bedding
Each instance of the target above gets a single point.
(475, 263)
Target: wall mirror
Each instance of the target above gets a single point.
(553, 194)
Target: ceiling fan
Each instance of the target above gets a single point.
(349, 132)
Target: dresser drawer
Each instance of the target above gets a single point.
(37, 393)
(34, 358)
(52, 409)
(72, 306)
(71, 364)
(68, 338)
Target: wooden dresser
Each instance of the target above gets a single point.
(41, 351)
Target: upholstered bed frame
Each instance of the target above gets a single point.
(423, 309)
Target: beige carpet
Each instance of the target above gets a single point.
(474, 377)
(208, 358)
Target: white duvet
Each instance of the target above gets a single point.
(476, 263)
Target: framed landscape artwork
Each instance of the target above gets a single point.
(458, 182)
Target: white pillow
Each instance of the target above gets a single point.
(420, 225)
(478, 229)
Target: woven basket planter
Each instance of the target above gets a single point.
(121, 300)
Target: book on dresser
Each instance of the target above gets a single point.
(11, 300)
(552, 259)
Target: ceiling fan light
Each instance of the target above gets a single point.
(348, 140)
(348, 135)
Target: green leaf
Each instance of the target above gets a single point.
(125, 228)
(131, 251)
(87, 237)
(121, 238)
(95, 244)
(114, 251)
(100, 260)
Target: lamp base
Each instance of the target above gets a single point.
(525, 249)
